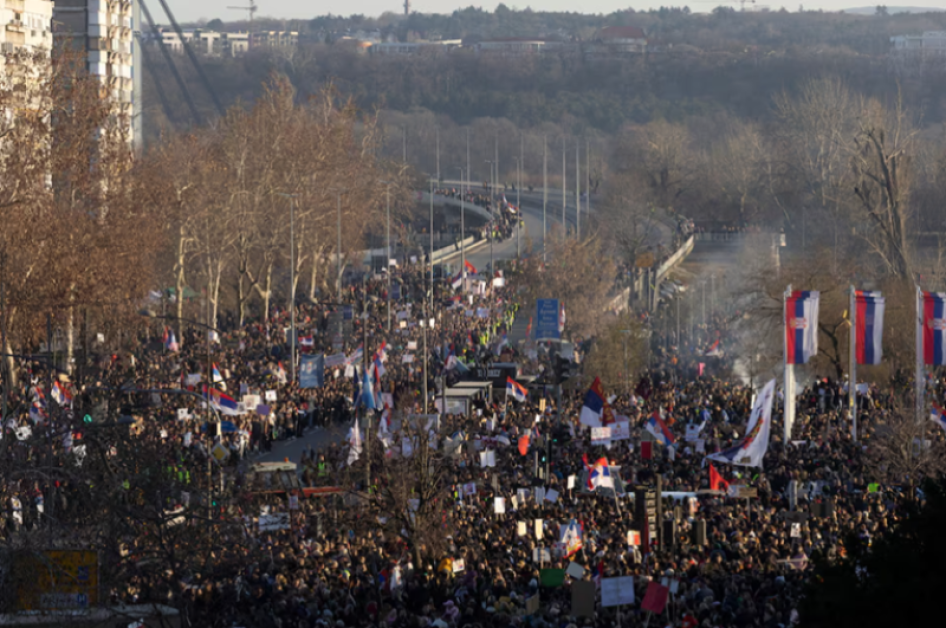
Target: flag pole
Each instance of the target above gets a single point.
(920, 376)
(852, 378)
(789, 378)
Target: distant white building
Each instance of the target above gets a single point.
(512, 45)
(930, 43)
(415, 47)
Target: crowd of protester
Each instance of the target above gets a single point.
(746, 570)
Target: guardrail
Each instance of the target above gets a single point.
(675, 259)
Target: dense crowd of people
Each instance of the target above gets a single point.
(514, 476)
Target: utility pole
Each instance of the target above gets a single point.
(404, 144)
(438, 155)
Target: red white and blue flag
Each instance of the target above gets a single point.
(62, 396)
(516, 390)
(934, 328)
(869, 326)
(170, 340)
(801, 326)
(599, 473)
(512, 208)
(223, 403)
(217, 377)
(656, 426)
(470, 267)
(938, 416)
(593, 408)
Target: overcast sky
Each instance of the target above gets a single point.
(190, 10)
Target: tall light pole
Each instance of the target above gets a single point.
(463, 219)
(545, 191)
(588, 175)
(387, 262)
(438, 155)
(519, 201)
(292, 282)
(430, 256)
(492, 213)
(564, 192)
(577, 191)
(338, 243)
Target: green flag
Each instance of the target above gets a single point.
(873, 487)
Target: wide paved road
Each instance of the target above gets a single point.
(532, 215)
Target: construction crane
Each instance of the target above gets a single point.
(250, 8)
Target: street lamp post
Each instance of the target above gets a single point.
(292, 281)
(492, 212)
(545, 191)
(388, 262)
(463, 216)
(519, 200)
(431, 253)
(338, 248)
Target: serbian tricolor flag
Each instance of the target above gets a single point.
(656, 426)
(223, 403)
(869, 326)
(801, 326)
(593, 407)
(512, 208)
(217, 377)
(170, 341)
(516, 390)
(62, 396)
(599, 473)
(938, 416)
(470, 267)
(934, 328)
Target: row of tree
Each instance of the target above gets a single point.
(89, 228)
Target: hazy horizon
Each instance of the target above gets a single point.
(189, 11)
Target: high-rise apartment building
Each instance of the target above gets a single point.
(104, 31)
(25, 26)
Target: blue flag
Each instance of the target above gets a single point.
(312, 371)
(367, 393)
